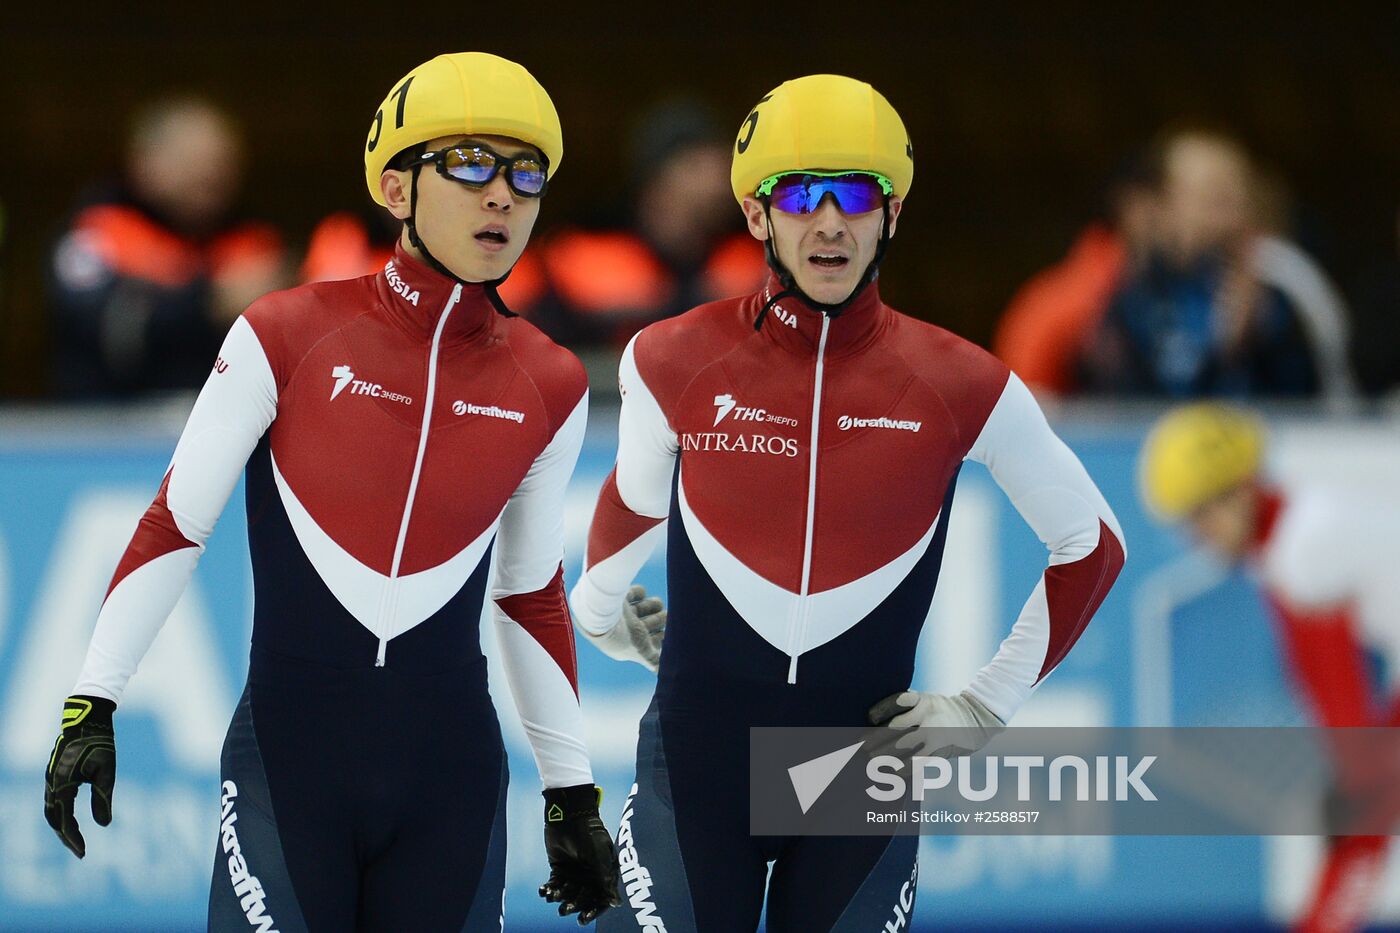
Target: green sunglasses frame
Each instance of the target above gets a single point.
(765, 187)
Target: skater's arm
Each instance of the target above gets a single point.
(630, 516)
(234, 409)
(1049, 487)
(532, 617)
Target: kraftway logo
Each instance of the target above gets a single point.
(846, 423)
(1114, 779)
(724, 404)
(636, 878)
(246, 886)
(345, 376)
(460, 407)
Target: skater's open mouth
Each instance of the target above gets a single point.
(828, 260)
(495, 233)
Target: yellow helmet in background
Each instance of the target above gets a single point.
(825, 122)
(459, 94)
(1195, 453)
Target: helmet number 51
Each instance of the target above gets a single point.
(401, 92)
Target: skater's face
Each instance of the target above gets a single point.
(1225, 524)
(478, 233)
(827, 251)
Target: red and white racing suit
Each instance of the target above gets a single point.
(1328, 565)
(407, 452)
(803, 471)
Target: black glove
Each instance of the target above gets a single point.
(582, 862)
(85, 751)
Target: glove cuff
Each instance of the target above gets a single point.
(981, 712)
(81, 709)
(563, 803)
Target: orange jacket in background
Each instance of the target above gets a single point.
(1048, 321)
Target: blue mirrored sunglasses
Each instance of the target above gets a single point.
(802, 192)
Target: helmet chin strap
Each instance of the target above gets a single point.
(489, 287)
(789, 282)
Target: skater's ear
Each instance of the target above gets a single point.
(756, 219)
(394, 185)
(896, 204)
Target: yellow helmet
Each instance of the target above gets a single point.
(826, 122)
(462, 93)
(1195, 453)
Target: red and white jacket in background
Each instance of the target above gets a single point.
(1328, 566)
(396, 430)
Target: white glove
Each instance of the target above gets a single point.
(932, 715)
(638, 632)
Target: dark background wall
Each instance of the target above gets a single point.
(1018, 111)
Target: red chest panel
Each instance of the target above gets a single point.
(888, 448)
(350, 423)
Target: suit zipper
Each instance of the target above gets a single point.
(798, 631)
(389, 599)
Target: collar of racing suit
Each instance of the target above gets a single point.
(797, 326)
(416, 296)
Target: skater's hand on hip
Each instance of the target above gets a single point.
(84, 753)
(934, 725)
(582, 860)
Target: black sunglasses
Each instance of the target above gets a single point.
(475, 165)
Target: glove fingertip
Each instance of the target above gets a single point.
(101, 808)
(888, 707)
(904, 721)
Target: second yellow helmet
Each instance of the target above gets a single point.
(823, 122)
(1195, 453)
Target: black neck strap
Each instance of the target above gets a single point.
(789, 281)
(489, 287)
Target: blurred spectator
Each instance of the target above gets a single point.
(1378, 308)
(1042, 333)
(686, 243)
(1218, 307)
(1182, 290)
(349, 244)
(153, 268)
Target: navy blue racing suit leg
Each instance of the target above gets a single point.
(667, 825)
(847, 884)
(369, 800)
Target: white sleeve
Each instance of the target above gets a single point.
(1051, 490)
(1312, 560)
(532, 617)
(234, 409)
(632, 507)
